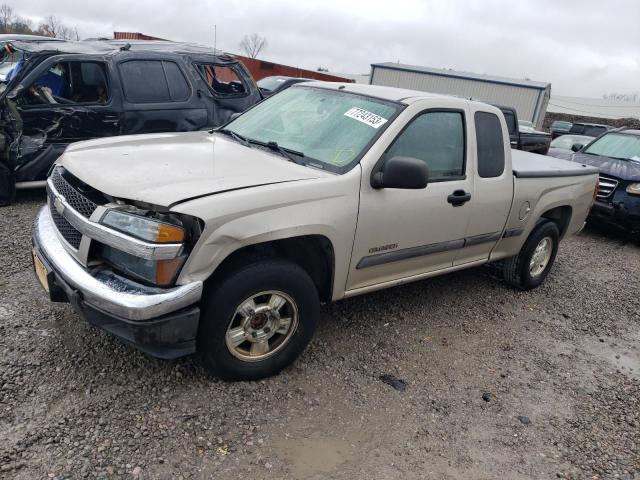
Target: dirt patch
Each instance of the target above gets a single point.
(497, 383)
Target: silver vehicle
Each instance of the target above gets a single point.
(565, 145)
(226, 242)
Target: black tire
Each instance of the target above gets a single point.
(219, 308)
(7, 187)
(516, 269)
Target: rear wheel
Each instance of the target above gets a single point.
(258, 320)
(531, 266)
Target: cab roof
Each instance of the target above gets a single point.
(399, 95)
(393, 94)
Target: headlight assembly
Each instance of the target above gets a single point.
(634, 189)
(163, 230)
(144, 228)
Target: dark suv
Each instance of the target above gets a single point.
(64, 92)
(617, 156)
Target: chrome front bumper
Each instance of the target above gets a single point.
(106, 291)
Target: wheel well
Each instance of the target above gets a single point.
(314, 253)
(561, 216)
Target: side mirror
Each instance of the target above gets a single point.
(401, 172)
(576, 146)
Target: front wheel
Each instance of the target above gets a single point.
(531, 266)
(258, 320)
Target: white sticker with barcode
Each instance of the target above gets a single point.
(365, 117)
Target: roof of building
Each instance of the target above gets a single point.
(463, 75)
(134, 36)
(593, 107)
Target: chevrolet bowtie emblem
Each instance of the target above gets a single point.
(59, 205)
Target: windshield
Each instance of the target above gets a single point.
(331, 128)
(567, 141)
(616, 145)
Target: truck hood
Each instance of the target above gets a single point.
(165, 169)
(628, 170)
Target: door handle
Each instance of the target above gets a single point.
(111, 119)
(459, 197)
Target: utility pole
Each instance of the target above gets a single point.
(215, 38)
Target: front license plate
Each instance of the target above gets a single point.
(41, 271)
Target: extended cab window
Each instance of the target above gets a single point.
(222, 79)
(490, 145)
(167, 84)
(68, 83)
(436, 138)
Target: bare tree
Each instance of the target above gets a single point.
(22, 26)
(53, 27)
(253, 44)
(6, 17)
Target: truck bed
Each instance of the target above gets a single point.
(532, 165)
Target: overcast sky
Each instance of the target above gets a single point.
(583, 47)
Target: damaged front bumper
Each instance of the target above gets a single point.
(623, 212)
(161, 322)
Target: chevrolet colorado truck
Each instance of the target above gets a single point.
(226, 242)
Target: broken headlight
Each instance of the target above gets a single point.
(144, 228)
(162, 273)
(155, 228)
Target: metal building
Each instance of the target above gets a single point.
(529, 98)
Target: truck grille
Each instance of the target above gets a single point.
(606, 187)
(69, 188)
(72, 195)
(70, 234)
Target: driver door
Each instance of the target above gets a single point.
(67, 98)
(403, 233)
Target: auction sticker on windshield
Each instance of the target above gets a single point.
(366, 117)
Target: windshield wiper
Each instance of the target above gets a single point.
(236, 136)
(285, 152)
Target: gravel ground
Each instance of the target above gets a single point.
(480, 381)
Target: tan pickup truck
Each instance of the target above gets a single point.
(226, 242)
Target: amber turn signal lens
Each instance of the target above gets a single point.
(167, 270)
(169, 233)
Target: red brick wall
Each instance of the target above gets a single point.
(133, 36)
(260, 69)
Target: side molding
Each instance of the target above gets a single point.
(422, 250)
